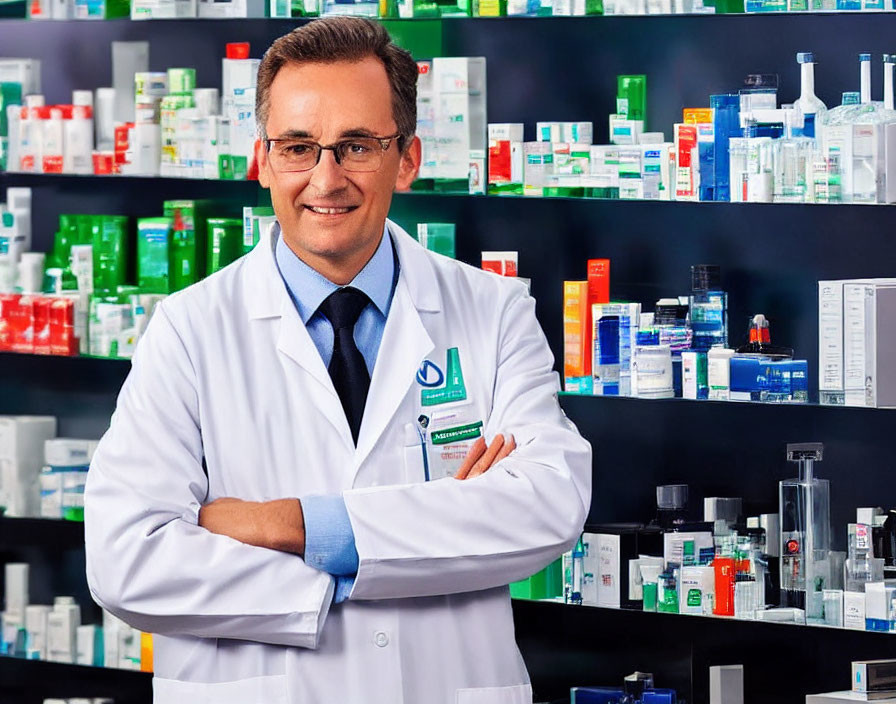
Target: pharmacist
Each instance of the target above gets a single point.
(293, 492)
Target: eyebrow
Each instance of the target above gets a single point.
(349, 133)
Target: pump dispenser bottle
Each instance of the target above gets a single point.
(805, 533)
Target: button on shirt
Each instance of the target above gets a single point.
(329, 539)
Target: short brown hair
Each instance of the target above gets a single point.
(332, 39)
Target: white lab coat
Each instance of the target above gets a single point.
(228, 372)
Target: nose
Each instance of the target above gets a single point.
(327, 176)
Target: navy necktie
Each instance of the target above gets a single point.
(347, 367)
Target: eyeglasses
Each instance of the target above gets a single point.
(358, 154)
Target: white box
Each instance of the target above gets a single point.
(878, 597)
(726, 684)
(718, 373)
(608, 578)
(69, 452)
(854, 610)
(162, 9)
(62, 632)
(86, 645)
(696, 593)
(506, 131)
(128, 58)
(215, 9)
(16, 589)
(21, 453)
(837, 697)
(673, 545)
(591, 568)
(36, 616)
(23, 71)
(869, 326)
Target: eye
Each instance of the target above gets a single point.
(296, 148)
(357, 148)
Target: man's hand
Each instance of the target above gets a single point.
(480, 459)
(277, 525)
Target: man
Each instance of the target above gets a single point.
(278, 495)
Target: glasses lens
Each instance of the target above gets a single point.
(360, 154)
(294, 155)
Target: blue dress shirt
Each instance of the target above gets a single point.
(329, 539)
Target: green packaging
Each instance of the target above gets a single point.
(10, 94)
(187, 253)
(153, 240)
(181, 81)
(110, 251)
(631, 96)
(437, 237)
(256, 220)
(545, 584)
(225, 242)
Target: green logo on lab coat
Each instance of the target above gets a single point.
(454, 388)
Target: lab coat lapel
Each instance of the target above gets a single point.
(406, 342)
(294, 341)
(272, 305)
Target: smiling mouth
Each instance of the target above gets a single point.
(320, 210)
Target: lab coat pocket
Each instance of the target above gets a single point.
(254, 690)
(516, 694)
(416, 468)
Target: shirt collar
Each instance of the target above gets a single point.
(308, 288)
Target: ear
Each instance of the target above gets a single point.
(409, 165)
(261, 158)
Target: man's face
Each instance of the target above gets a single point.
(330, 217)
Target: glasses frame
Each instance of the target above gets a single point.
(385, 143)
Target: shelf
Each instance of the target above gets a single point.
(31, 681)
(48, 532)
(671, 620)
(717, 404)
(38, 179)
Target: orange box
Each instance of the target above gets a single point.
(576, 338)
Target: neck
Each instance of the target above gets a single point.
(807, 82)
(340, 269)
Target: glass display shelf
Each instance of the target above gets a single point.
(49, 668)
(709, 618)
(717, 403)
(37, 179)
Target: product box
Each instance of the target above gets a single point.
(154, 236)
(687, 175)
(577, 351)
(437, 237)
(21, 451)
(538, 166)
(869, 330)
(617, 545)
(162, 9)
(685, 547)
(874, 677)
(839, 697)
(854, 610)
(696, 590)
(614, 331)
(187, 248)
(505, 162)
(756, 379)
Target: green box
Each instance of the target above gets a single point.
(225, 242)
(10, 94)
(153, 247)
(545, 584)
(109, 237)
(631, 96)
(437, 237)
(187, 253)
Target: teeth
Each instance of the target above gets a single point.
(328, 211)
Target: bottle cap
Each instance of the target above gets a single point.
(805, 57)
(851, 98)
(672, 496)
(865, 57)
(761, 80)
(706, 277)
(237, 50)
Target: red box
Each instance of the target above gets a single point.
(42, 324)
(21, 323)
(62, 327)
(598, 281)
(7, 300)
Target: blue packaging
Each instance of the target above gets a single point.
(775, 381)
(726, 124)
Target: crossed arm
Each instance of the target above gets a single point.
(280, 524)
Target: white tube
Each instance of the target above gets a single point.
(888, 82)
(865, 76)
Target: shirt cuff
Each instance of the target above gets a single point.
(329, 538)
(344, 586)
